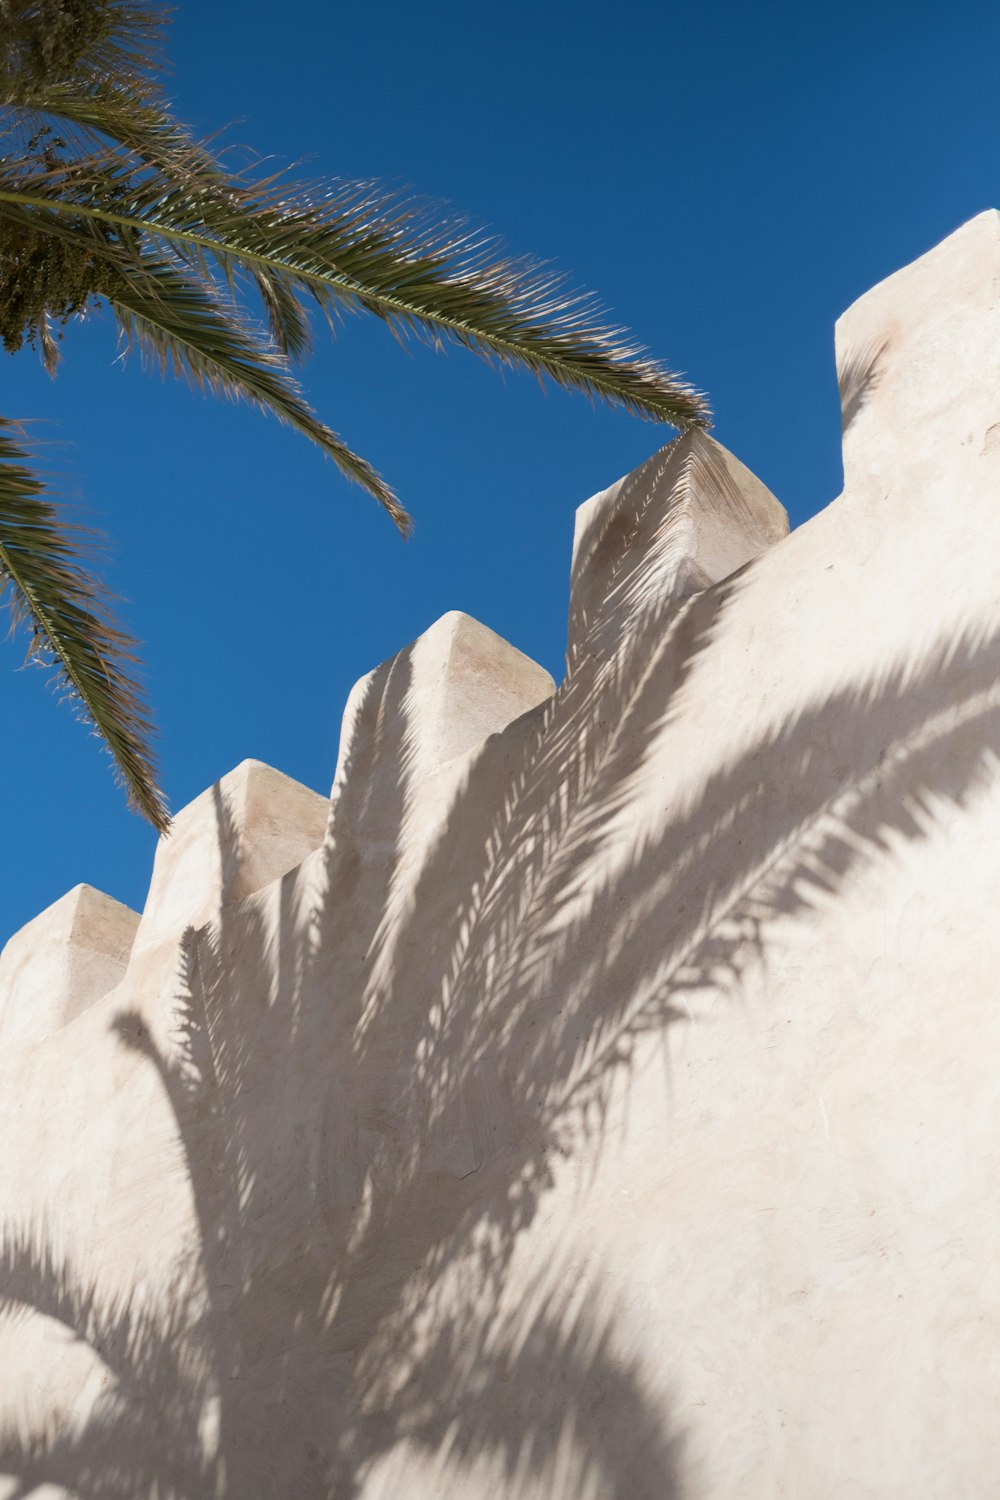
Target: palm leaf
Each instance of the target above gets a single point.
(116, 39)
(45, 572)
(93, 112)
(360, 246)
(100, 112)
(181, 326)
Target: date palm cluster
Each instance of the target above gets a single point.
(106, 198)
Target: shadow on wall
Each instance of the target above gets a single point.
(352, 1294)
(859, 377)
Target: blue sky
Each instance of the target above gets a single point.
(728, 177)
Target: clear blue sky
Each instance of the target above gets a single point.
(728, 177)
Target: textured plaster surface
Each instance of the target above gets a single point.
(67, 957)
(596, 1097)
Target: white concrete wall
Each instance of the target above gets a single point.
(597, 1099)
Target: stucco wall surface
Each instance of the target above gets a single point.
(596, 1098)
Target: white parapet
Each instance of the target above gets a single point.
(687, 518)
(918, 364)
(607, 1104)
(249, 828)
(61, 962)
(418, 714)
(455, 685)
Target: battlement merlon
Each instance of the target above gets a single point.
(689, 517)
(918, 364)
(60, 962)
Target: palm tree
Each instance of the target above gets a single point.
(106, 198)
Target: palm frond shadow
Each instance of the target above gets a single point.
(372, 1109)
(156, 1385)
(859, 376)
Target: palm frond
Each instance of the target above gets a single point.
(363, 247)
(182, 323)
(93, 112)
(45, 571)
(182, 327)
(132, 118)
(119, 40)
(286, 319)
